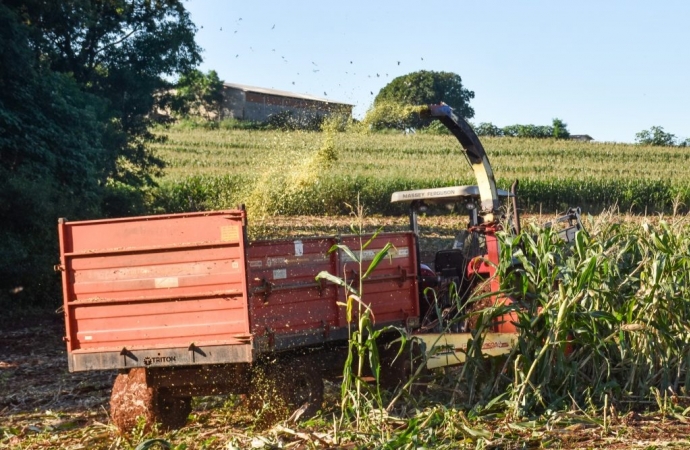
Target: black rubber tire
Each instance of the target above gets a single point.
(304, 386)
(396, 370)
(172, 412)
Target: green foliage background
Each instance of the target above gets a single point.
(656, 136)
(427, 87)
(77, 84)
(198, 94)
(558, 129)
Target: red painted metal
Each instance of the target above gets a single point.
(154, 281)
(186, 281)
(285, 296)
(485, 267)
(287, 300)
(391, 289)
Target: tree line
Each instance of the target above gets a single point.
(558, 129)
(656, 136)
(78, 81)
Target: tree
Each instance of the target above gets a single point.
(488, 129)
(77, 84)
(528, 131)
(655, 136)
(199, 94)
(55, 146)
(560, 129)
(427, 87)
(118, 50)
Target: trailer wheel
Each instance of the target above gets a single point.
(172, 412)
(397, 369)
(304, 388)
(132, 398)
(281, 389)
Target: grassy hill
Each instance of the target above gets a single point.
(276, 172)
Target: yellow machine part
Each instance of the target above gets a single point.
(450, 349)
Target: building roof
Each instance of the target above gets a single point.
(260, 90)
(581, 137)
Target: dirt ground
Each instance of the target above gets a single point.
(42, 406)
(37, 392)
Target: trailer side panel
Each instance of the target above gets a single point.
(157, 290)
(290, 308)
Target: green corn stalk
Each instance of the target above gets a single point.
(355, 395)
(618, 299)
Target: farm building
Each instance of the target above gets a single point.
(581, 137)
(257, 104)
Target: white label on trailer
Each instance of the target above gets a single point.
(279, 274)
(88, 338)
(278, 261)
(256, 264)
(166, 282)
(368, 255)
(299, 248)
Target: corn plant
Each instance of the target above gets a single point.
(605, 317)
(357, 397)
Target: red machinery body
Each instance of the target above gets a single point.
(149, 290)
(289, 308)
(484, 268)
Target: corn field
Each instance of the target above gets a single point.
(602, 357)
(603, 320)
(603, 326)
(295, 173)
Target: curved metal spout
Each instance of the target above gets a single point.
(476, 155)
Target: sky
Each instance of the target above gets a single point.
(609, 69)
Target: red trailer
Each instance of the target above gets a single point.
(183, 305)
